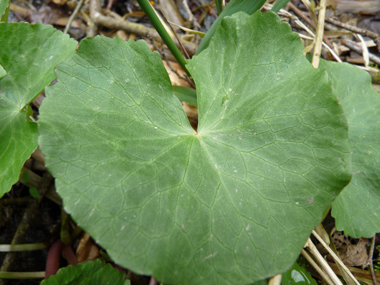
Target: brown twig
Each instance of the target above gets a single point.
(73, 15)
(360, 274)
(370, 261)
(92, 26)
(175, 34)
(357, 30)
(358, 49)
(300, 14)
(212, 11)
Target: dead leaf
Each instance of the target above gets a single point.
(353, 252)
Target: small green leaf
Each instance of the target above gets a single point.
(25, 177)
(185, 94)
(357, 208)
(29, 54)
(34, 193)
(279, 5)
(89, 273)
(232, 203)
(297, 275)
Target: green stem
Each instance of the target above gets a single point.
(22, 247)
(148, 9)
(22, 275)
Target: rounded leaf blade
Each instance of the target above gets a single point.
(232, 203)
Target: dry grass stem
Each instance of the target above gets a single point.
(275, 280)
(311, 261)
(319, 34)
(323, 263)
(336, 258)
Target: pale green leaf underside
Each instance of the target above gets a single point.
(28, 54)
(2, 72)
(89, 273)
(357, 208)
(232, 204)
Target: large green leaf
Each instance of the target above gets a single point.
(28, 54)
(89, 273)
(357, 208)
(232, 203)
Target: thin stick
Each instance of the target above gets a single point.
(73, 15)
(370, 261)
(365, 52)
(360, 274)
(336, 258)
(319, 34)
(358, 49)
(325, 45)
(353, 28)
(307, 20)
(285, 13)
(175, 34)
(311, 9)
(92, 25)
(190, 15)
(316, 267)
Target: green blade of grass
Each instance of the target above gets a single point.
(219, 6)
(279, 5)
(148, 9)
